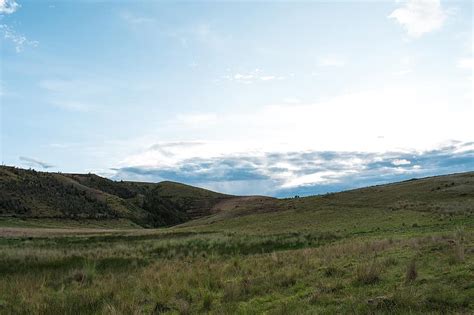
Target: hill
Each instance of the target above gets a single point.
(40, 195)
(441, 197)
(29, 194)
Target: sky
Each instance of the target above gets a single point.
(278, 98)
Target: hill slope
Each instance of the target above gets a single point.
(408, 202)
(32, 194)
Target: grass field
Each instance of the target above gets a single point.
(396, 249)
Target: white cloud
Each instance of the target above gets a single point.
(8, 6)
(203, 163)
(252, 77)
(331, 61)
(399, 162)
(324, 177)
(418, 17)
(18, 40)
(349, 122)
(9, 34)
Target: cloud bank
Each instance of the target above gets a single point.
(285, 174)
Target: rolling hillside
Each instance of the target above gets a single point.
(416, 200)
(32, 194)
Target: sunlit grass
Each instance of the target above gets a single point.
(209, 273)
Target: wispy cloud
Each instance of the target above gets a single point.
(250, 77)
(419, 17)
(34, 162)
(168, 149)
(18, 40)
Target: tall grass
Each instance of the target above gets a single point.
(201, 274)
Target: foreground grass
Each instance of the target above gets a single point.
(183, 272)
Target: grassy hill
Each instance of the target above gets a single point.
(39, 195)
(433, 199)
(402, 248)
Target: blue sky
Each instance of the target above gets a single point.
(275, 98)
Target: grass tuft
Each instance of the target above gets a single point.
(368, 273)
(411, 273)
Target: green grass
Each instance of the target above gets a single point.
(67, 223)
(184, 271)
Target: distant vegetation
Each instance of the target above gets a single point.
(403, 248)
(32, 194)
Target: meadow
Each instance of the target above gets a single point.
(367, 265)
